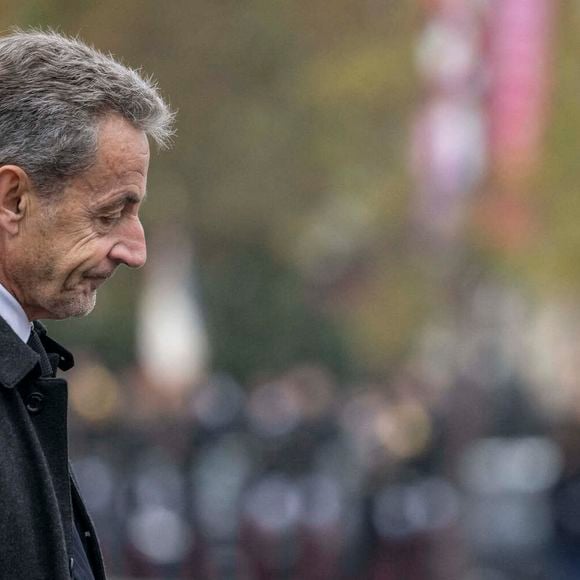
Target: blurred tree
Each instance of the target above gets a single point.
(288, 169)
(553, 261)
(260, 320)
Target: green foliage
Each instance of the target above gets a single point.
(260, 320)
(290, 156)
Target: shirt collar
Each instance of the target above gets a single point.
(14, 315)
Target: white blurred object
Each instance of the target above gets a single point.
(219, 476)
(508, 483)
(274, 504)
(97, 482)
(551, 365)
(448, 160)
(322, 501)
(274, 409)
(401, 510)
(519, 465)
(172, 342)
(160, 534)
(218, 402)
(449, 135)
(448, 50)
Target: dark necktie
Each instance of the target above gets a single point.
(35, 344)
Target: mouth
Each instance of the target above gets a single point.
(95, 280)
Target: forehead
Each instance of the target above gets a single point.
(121, 161)
(114, 131)
(121, 147)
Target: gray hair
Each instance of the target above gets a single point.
(54, 91)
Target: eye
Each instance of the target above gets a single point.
(110, 219)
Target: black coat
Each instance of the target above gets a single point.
(37, 494)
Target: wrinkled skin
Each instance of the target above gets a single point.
(65, 249)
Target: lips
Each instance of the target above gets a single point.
(99, 275)
(95, 280)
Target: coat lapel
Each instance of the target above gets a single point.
(16, 358)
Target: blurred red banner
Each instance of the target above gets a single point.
(519, 36)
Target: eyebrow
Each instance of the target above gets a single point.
(124, 199)
(133, 198)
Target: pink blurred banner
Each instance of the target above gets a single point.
(519, 37)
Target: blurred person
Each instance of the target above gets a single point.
(74, 154)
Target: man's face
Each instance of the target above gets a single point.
(65, 250)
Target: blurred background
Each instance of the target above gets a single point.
(354, 352)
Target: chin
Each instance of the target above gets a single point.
(76, 307)
(84, 308)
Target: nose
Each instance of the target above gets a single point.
(130, 249)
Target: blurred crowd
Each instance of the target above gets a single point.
(296, 477)
(327, 180)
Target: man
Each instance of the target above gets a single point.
(74, 153)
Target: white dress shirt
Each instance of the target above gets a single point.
(14, 315)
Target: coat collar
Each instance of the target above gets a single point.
(17, 359)
(65, 358)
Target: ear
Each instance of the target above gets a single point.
(14, 197)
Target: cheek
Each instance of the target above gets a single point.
(93, 253)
